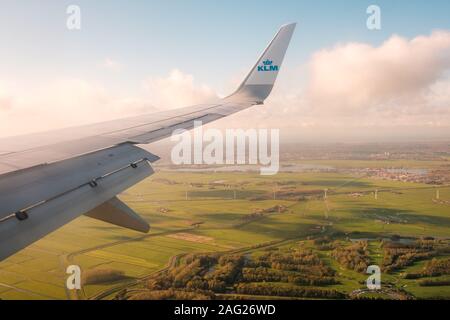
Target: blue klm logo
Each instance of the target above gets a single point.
(268, 66)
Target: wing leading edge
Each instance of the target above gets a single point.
(48, 179)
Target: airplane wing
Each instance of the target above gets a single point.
(48, 179)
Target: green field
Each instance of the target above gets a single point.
(211, 212)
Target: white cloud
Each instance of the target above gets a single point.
(176, 90)
(401, 84)
(62, 103)
(5, 103)
(355, 85)
(5, 98)
(111, 64)
(71, 101)
(392, 79)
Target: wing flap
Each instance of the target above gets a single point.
(118, 213)
(25, 188)
(43, 219)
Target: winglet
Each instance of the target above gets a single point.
(259, 82)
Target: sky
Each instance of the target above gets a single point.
(340, 81)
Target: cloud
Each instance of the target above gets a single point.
(355, 85)
(5, 103)
(72, 101)
(393, 79)
(5, 99)
(111, 64)
(176, 90)
(346, 90)
(62, 103)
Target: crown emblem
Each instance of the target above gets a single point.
(268, 62)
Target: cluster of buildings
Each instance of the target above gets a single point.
(409, 175)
